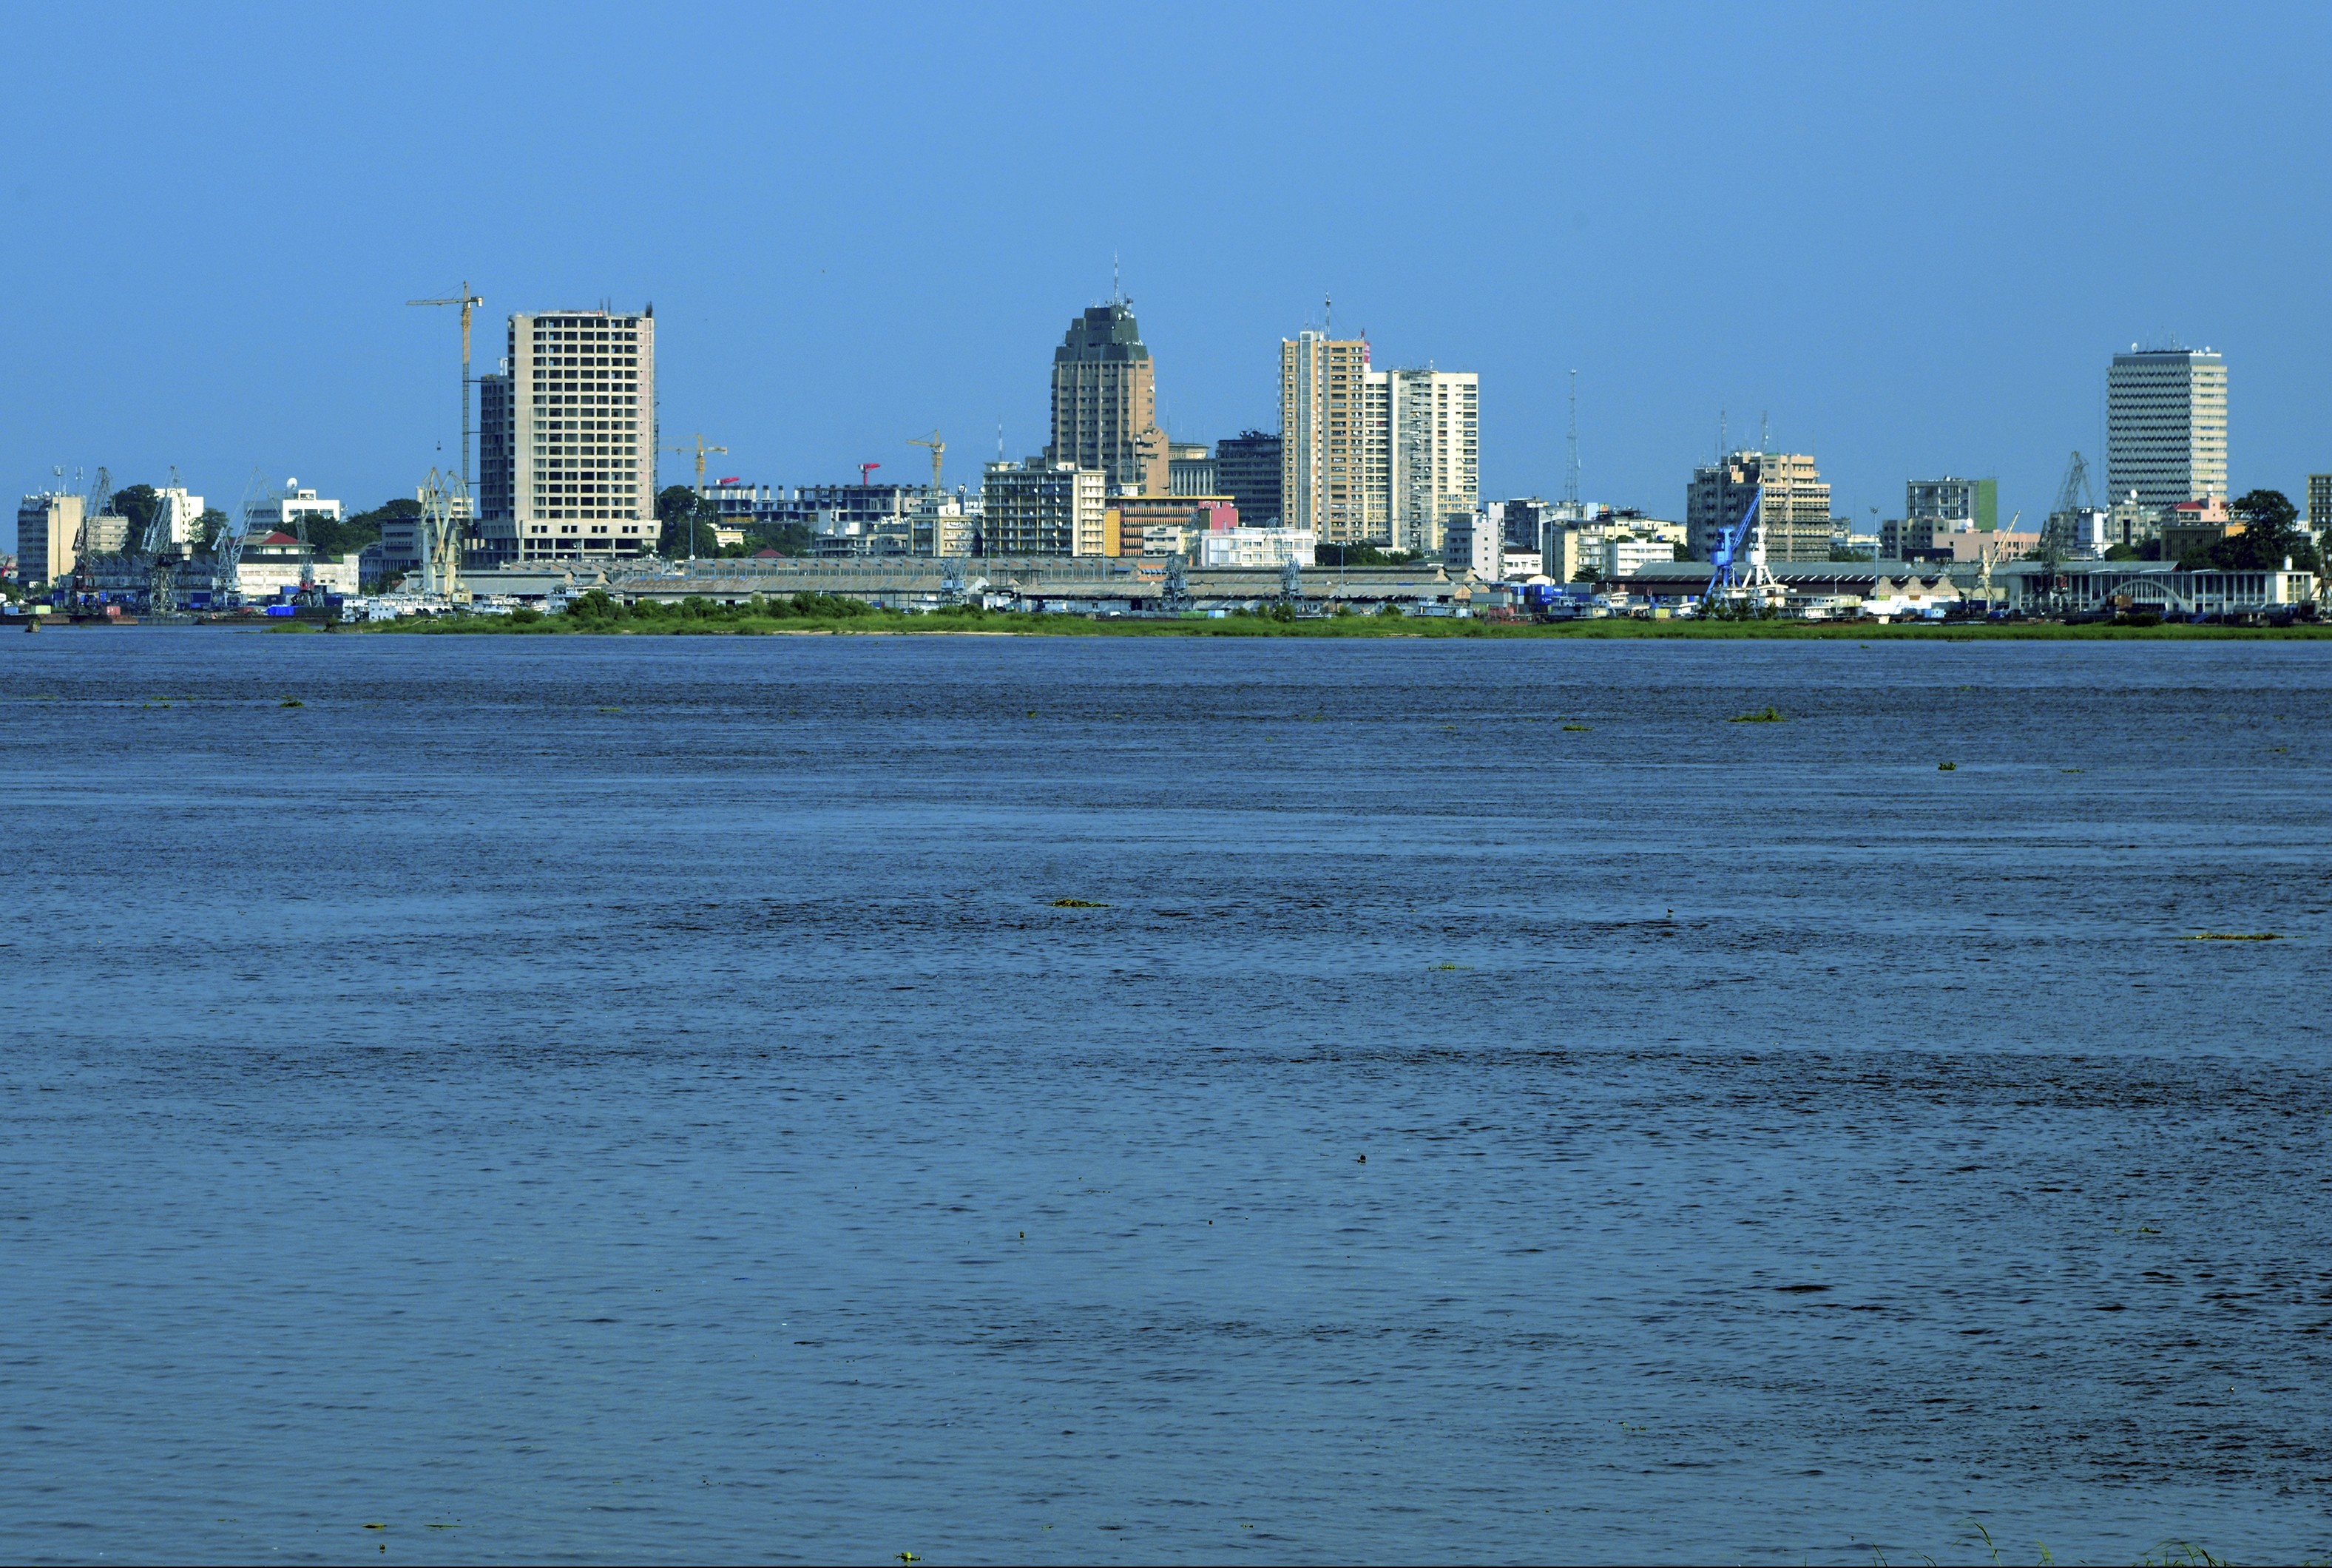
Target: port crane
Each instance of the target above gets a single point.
(1739, 558)
(442, 523)
(226, 552)
(161, 576)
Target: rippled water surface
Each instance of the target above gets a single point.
(623, 1100)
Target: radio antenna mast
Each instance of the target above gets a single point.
(1570, 473)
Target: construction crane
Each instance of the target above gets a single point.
(939, 450)
(864, 470)
(702, 451)
(468, 301)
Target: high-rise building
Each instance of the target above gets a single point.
(2319, 501)
(48, 531)
(1247, 470)
(2166, 426)
(1105, 402)
(1040, 507)
(1795, 521)
(1377, 457)
(567, 445)
(1433, 421)
(1325, 486)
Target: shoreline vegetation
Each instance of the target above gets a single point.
(596, 614)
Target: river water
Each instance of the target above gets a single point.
(641, 1099)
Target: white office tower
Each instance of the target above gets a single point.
(567, 440)
(2166, 426)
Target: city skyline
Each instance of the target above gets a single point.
(1885, 347)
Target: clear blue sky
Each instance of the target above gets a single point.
(1911, 237)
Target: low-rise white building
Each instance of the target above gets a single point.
(282, 512)
(1257, 547)
(1624, 557)
(281, 562)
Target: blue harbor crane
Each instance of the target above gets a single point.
(1739, 556)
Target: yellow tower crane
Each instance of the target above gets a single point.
(468, 301)
(702, 451)
(939, 451)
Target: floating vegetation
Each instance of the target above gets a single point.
(290, 703)
(1947, 766)
(2234, 936)
(2069, 770)
(1575, 726)
(1077, 903)
(1768, 715)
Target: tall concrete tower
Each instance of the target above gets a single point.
(1330, 449)
(1105, 402)
(567, 440)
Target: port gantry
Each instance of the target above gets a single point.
(1739, 556)
(443, 521)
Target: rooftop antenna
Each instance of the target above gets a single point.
(1765, 433)
(1723, 439)
(1327, 316)
(1570, 474)
(1116, 288)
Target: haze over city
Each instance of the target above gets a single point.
(1911, 243)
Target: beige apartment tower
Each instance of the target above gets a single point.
(1375, 457)
(1795, 522)
(567, 445)
(48, 532)
(1105, 402)
(1327, 481)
